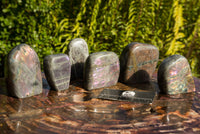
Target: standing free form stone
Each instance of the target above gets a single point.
(174, 75)
(57, 69)
(138, 61)
(101, 70)
(23, 73)
(78, 53)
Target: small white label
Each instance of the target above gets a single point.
(128, 94)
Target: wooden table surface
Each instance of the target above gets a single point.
(79, 111)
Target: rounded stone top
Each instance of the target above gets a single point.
(26, 49)
(77, 42)
(171, 61)
(102, 58)
(77, 51)
(54, 57)
(137, 45)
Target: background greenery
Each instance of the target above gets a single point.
(49, 25)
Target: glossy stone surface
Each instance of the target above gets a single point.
(174, 75)
(57, 69)
(23, 73)
(101, 70)
(78, 53)
(79, 111)
(138, 61)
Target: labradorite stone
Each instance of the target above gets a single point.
(138, 61)
(23, 73)
(78, 53)
(57, 70)
(101, 70)
(174, 75)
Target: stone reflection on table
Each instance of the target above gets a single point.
(79, 111)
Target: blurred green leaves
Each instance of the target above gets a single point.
(49, 25)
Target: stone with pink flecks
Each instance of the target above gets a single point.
(174, 75)
(57, 69)
(138, 62)
(101, 70)
(23, 73)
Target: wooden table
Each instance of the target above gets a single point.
(79, 111)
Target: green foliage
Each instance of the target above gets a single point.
(49, 25)
(175, 44)
(29, 22)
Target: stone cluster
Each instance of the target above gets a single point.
(137, 63)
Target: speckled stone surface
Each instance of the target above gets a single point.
(57, 69)
(78, 53)
(23, 73)
(101, 70)
(138, 61)
(174, 75)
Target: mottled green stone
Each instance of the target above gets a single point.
(174, 75)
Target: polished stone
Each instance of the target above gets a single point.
(138, 61)
(101, 70)
(23, 72)
(78, 53)
(174, 75)
(57, 70)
